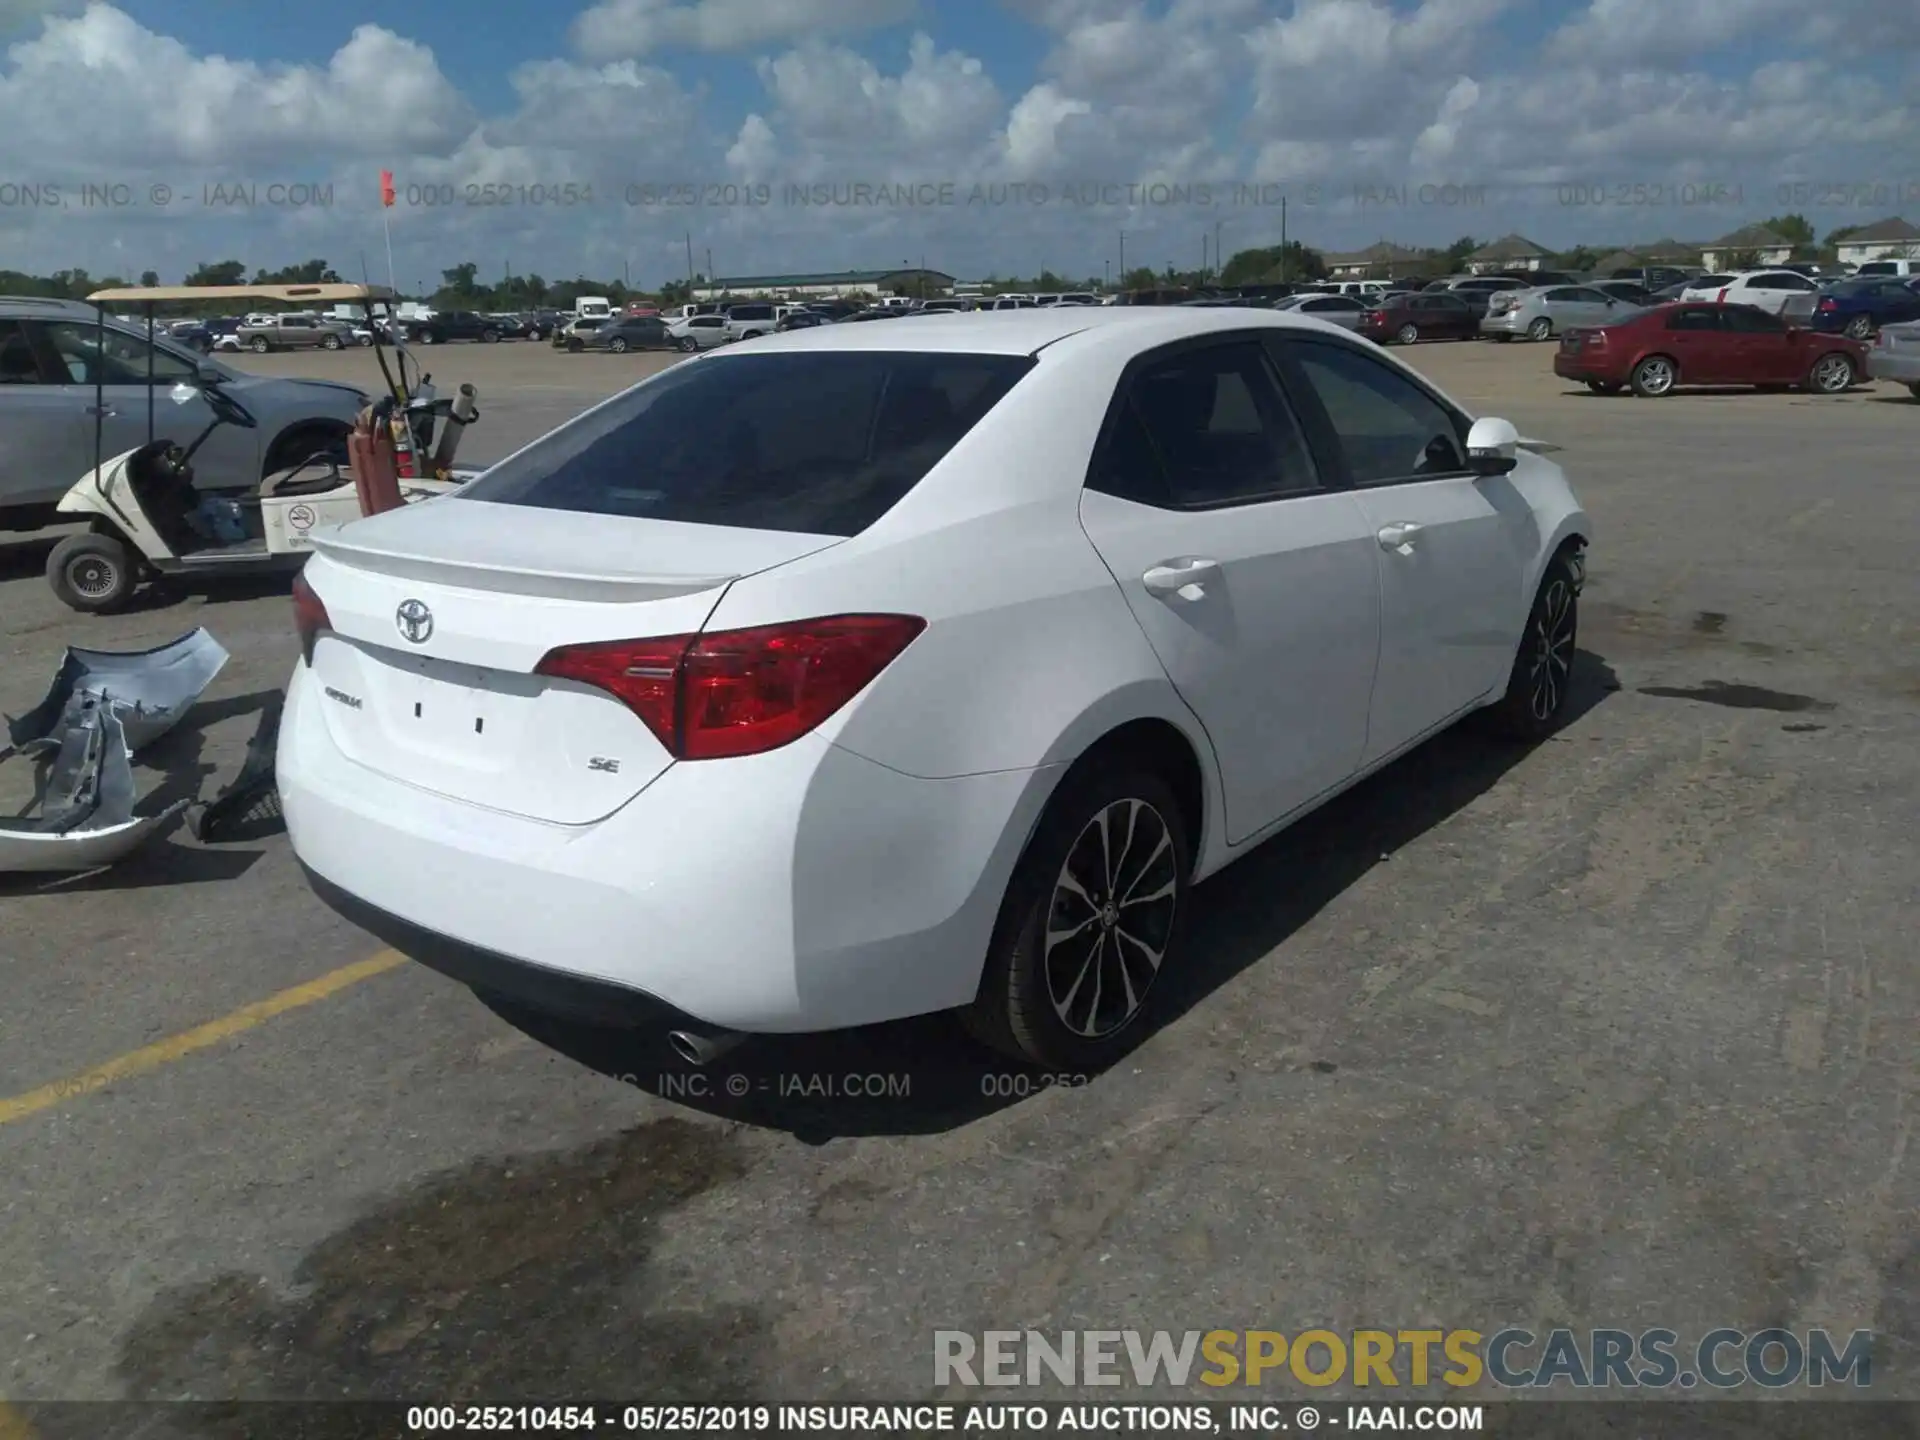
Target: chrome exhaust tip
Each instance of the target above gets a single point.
(698, 1049)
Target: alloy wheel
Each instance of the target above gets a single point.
(1860, 327)
(1656, 376)
(1552, 662)
(1540, 329)
(1407, 334)
(1832, 374)
(1110, 918)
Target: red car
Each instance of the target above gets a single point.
(1424, 315)
(1655, 351)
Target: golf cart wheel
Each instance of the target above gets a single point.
(94, 574)
(1859, 327)
(259, 345)
(1830, 374)
(617, 345)
(1407, 334)
(1540, 328)
(331, 342)
(1655, 376)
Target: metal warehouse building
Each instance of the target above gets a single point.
(849, 282)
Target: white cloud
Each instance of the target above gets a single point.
(100, 89)
(621, 29)
(1659, 34)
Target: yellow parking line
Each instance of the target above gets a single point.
(13, 1425)
(201, 1037)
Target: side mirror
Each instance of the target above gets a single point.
(1493, 446)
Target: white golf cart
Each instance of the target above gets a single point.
(148, 520)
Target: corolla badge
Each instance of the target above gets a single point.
(415, 620)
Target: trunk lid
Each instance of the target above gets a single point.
(440, 612)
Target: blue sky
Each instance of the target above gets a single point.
(1598, 121)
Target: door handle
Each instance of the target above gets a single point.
(105, 411)
(1185, 578)
(1400, 536)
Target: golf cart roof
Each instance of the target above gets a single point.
(160, 294)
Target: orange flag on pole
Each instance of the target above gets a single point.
(386, 188)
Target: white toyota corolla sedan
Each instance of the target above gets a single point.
(873, 670)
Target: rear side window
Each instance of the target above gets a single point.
(1201, 428)
(813, 444)
(1693, 320)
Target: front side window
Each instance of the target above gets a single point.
(811, 444)
(119, 358)
(1389, 429)
(18, 364)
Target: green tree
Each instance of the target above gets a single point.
(1456, 254)
(224, 272)
(1795, 229)
(1580, 257)
(149, 278)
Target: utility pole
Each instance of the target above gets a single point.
(689, 266)
(1283, 237)
(1106, 274)
(1203, 257)
(1123, 257)
(709, 267)
(1219, 256)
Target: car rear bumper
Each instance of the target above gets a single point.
(804, 889)
(1902, 364)
(1508, 323)
(1574, 365)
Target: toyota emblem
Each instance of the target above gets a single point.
(415, 620)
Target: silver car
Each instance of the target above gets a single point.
(1546, 310)
(700, 332)
(1895, 355)
(50, 352)
(1338, 309)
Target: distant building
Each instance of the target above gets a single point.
(1768, 247)
(1619, 260)
(1380, 261)
(856, 283)
(1892, 239)
(1509, 252)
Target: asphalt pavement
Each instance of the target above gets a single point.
(1617, 1032)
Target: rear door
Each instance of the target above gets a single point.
(1450, 547)
(1696, 340)
(1252, 577)
(1581, 305)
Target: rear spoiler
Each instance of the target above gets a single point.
(580, 584)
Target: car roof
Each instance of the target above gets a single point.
(1027, 332)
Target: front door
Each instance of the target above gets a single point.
(1696, 340)
(229, 459)
(1450, 546)
(1253, 580)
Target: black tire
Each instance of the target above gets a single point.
(1831, 374)
(94, 574)
(1604, 387)
(1407, 334)
(1859, 327)
(1540, 328)
(574, 347)
(364, 341)
(687, 345)
(489, 337)
(425, 337)
(617, 345)
(1503, 337)
(1655, 376)
(1535, 704)
(259, 345)
(1021, 999)
(330, 342)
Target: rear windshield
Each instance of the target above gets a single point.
(818, 444)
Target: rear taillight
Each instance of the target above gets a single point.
(1829, 304)
(309, 616)
(739, 692)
